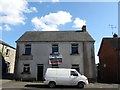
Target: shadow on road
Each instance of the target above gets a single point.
(45, 86)
(65, 87)
(36, 86)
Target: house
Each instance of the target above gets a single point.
(1, 65)
(7, 54)
(109, 58)
(39, 50)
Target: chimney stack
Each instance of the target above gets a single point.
(115, 35)
(84, 28)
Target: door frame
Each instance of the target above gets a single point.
(37, 70)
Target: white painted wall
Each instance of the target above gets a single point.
(10, 58)
(42, 50)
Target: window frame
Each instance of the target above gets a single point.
(55, 49)
(74, 48)
(7, 52)
(73, 74)
(26, 66)
(76, 67)
(27, 49)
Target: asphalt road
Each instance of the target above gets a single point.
(19, 85)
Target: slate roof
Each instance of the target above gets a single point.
(55, 36)
(114, 42)
(3, 43)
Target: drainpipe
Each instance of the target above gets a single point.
(16, 62)
(116, 38)
(85, 60)
(118, 59)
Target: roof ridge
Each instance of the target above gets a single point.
(56, 36)
(58, 31)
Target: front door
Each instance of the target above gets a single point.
(40, 72)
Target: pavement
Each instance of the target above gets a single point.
(22, 84)
(4, 81)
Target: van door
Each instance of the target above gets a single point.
(73, 77)
(63, 77)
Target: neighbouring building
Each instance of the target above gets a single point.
(39, 50)
(7, 54)
(109, 57)
(1, 65)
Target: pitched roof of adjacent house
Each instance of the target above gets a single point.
(3, 43)
(113, 42)
(55, 36)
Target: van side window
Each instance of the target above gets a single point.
(73, 73)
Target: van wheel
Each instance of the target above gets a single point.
(81, 85)
(52, 84)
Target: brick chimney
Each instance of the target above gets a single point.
(84, 28)
(115, 35)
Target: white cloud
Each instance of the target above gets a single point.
(1, 28)
(78, 23)
(7, 27)
(12, 12)
(52, 21)
(55, 0)
(41, 1)
(32, 9)
(41, 25)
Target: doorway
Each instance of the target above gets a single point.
(40, 72)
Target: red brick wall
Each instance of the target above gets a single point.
(108, 63)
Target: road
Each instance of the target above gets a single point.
(20, 85)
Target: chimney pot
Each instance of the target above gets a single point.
(84, 28)
(115, 35)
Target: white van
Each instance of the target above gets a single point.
(62, 76)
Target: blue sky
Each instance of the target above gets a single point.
(30, 16)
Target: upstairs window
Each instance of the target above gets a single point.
(74, 49)
(28, 49)
(55, 49)
(7, 52)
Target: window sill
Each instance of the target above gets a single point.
(74, 54)
(25, 73)
(26, 54)
(26, 57)
(7, 56)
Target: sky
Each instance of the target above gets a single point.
(101, 18)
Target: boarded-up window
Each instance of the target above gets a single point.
(26, 68)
